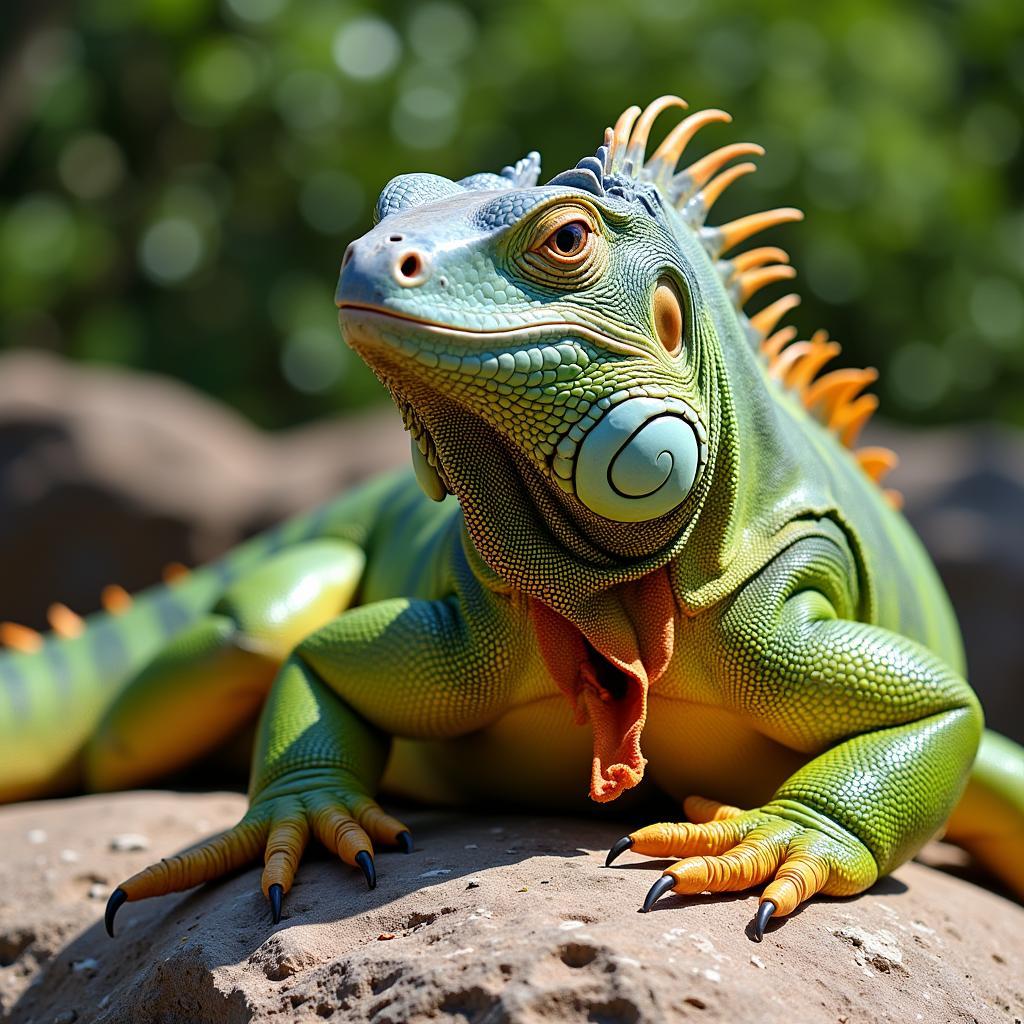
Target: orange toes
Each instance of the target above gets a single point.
(797, 880)
(285, 846)
(745, 865)
(377, 824)
(351, 828)
(682, 839)
(209, 860)
(278, 829)
(700, 809)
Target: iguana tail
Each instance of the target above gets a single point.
(989, 820)
(52, 699)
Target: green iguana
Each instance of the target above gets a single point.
(661, 531)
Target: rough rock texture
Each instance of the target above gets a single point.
(106, 475)
(492, 919)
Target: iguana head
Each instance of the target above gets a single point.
(562, 344)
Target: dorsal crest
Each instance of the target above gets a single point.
(622, 167)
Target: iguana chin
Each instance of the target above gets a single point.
(660, 531)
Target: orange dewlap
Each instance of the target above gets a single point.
(617, 721)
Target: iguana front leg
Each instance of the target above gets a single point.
(413, 668)
(894, 730)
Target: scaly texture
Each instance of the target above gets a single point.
(661, 531)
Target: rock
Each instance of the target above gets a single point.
(107, 475)
(129, 842)
(547, 934)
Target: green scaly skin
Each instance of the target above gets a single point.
(656, 531)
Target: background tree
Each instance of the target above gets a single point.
(179, 178)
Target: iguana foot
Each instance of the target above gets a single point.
(728, 849)
(277, 827)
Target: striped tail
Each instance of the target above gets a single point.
(52, 698)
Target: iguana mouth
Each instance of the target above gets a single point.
(542, 328)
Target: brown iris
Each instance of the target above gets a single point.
(565, 249)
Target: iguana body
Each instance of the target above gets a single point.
(658, 533)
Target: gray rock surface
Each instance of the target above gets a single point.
(493, 920)
(108, 475)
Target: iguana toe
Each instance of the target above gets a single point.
(732, 850)
(762, 917)
(275, 894)
(660, 887)
(365, 862)
(620, 847)
(114, 904)
(276, 829)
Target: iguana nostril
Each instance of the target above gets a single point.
(346, 259)
(410, 269)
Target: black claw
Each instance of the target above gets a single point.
(762, 917)
(620, 847)
(660, 887)
(404, 840)
(114, 904)
(275, 894)
(365, 861)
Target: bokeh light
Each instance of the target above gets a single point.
(181, 177)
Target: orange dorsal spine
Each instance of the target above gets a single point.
(16, 637)
(834, 398)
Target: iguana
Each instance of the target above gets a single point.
(661, 530)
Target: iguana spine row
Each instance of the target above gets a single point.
(833, 398)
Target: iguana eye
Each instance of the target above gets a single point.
(565, 249)
(567, 241)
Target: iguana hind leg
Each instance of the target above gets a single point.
(211, 679)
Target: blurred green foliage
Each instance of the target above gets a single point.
(179, 178)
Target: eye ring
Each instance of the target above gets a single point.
(565, 248)
(568, 241)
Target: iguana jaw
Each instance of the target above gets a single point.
(406, 352)
(556, 390)
(351, 313)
